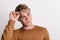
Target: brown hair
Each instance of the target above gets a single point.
(20, 7)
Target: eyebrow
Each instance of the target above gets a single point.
(24, 15)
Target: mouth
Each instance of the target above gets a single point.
(28, 21)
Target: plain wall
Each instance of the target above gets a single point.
(44, 13)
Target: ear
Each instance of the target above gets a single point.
(29, 9)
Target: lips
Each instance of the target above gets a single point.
(28, 21)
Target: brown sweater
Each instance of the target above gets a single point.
(37, 33)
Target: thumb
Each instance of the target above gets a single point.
(18, 15)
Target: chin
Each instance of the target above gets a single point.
(27, 24)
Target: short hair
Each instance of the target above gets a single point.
(21, 7)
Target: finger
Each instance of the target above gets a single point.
(11, 13)
(17, 13)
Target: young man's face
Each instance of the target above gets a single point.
(25, 17)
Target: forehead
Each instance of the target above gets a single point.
(25, 11)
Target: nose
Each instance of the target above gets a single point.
(27, 18)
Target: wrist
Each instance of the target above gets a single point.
(13, 19)
(11, 22)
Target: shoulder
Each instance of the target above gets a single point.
(41, 28)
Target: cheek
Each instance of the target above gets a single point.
(23, 20)
(30, 17)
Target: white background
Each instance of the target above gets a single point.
(44, 13)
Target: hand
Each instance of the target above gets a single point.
(14, 15)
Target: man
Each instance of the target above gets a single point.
(28, 31)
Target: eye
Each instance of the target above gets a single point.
(22, 16)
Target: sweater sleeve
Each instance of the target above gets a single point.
(8, 32)
(46, 37)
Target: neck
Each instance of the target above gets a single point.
(27, 27)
